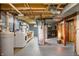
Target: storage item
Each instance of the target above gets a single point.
(19, 40)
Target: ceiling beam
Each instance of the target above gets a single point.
(23, 8)
(26, 10)
(33, 17)
(29, 8)
(15, 8)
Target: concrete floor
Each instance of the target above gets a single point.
(51, 48)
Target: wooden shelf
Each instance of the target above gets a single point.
(29, 36)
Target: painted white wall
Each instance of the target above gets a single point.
(7, 43)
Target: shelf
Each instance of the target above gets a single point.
(29, 36)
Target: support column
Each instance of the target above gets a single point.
(14, 29)
(7, 40)
(45, 31)
(43, 34)
(0, 28)
(0, 20)
(7, 22)
(75, 34)
(64, 32)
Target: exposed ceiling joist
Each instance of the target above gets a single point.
(31, 10)
(23, 8)
(15, 8)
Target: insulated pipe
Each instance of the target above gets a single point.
(69, 9)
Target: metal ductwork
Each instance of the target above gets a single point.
(70, 9)
(53, 9)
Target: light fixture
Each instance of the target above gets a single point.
(20, 15)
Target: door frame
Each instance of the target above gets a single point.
(75, 34)
(74, 21)
(74, 17)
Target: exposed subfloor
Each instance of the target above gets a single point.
(51, 48)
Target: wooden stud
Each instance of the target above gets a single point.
(64, 32)
(14, 29)
(74, 33)
(0, 28)
(0, 20)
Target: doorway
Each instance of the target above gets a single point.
(51, 32)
